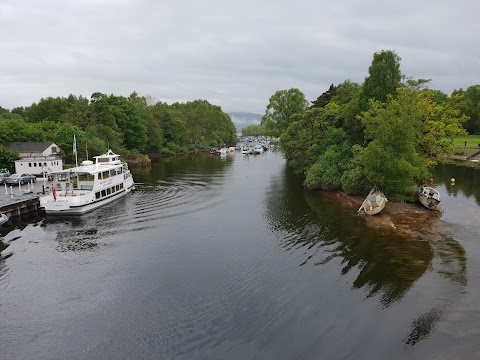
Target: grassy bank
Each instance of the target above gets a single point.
(471, 140)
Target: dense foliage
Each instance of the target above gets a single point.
(128, 125)
(253, 130)
(383, 132)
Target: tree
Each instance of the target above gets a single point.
(469, 104)
(253, 130)
(50, 109)
(325, 98)
(347, 97)
(7, 158)
(327, 172)
(282, 107)
(304, 141)
(407, 133)
(384, 77)
(18, 130)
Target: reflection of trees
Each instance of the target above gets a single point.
(205, 165)
(388, 261)
(388, 264)
(467, 179)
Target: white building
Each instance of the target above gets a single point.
(38, 158)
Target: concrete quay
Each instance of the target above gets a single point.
(17, 200)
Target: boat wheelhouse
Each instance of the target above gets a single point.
(88, 186)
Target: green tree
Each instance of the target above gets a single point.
(304, 141)
(280, 111)
(7, 158)
(468, 102)
(348, 99)
(253, 130)
(383, 79)
(325, 98)
(326, 173)
(18, 130)
(407, 133)
(155, 138)
(50, 109)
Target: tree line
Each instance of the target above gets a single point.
(128, 125)
(386, 131)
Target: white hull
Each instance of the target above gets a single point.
(430, 198)
(69, 206)
(374, 202)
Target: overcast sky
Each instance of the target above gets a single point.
(233, 53)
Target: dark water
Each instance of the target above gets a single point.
(229, 258)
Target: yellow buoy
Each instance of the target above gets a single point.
(452, 181)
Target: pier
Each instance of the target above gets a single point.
(18, 200)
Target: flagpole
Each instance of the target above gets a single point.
(76, 160)
(75, 150)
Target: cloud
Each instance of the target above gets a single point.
(235, 54)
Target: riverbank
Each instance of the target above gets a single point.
(399, 217)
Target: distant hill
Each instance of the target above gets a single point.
(242, 119)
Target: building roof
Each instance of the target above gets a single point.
(29, 146)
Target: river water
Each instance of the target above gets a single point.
(229, 258)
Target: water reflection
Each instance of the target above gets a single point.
(165, 170)
(467, 179)
(388, 253)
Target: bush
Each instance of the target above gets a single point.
(327, 172)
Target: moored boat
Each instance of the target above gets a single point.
(3, 218)
(374, 202)
(88, 186)
(430, 198)
(258, 149)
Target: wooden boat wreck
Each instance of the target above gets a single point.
(430, 198)
(374, 202)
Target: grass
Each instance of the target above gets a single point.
(472, 141)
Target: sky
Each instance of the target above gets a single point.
(234, 53)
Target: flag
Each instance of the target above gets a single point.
(74, 145)
(54, 193)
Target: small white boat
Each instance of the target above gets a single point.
(3, 218)
(258, 149)
(430, 198)
(374, 202)
(88, 186)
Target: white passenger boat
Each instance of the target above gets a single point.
(88, 186)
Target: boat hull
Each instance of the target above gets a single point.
(69, 205)
(57, 208)
(374, 202)
(376, 209)
(429, 198)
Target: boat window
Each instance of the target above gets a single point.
(103, 160)
(109, 191)
(106, 174)
(104, 193)
(97, 195)
(85, 177)
(62, 177)
(112, 172)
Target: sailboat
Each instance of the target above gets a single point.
(374, 202)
